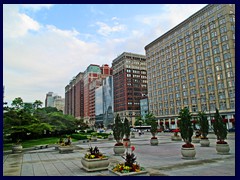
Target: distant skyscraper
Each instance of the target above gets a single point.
(53, 100)
(130, 83)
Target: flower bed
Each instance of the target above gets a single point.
(129, 167)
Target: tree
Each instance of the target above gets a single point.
(126, 128)
(118, 131)
(153, 129)
(17, 103)
(203, 122)
(138, 121)
(149, 118)
(37, 104)
(185, 126)
(219, 128)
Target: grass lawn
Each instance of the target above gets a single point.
(34, 142)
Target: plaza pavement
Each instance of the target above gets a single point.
(162, 160)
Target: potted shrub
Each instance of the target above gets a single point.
(110, 137)
(126, 129)
(220, 130)
(17, 147)
(153, 130)
(188, 150)
(204, 128)
(175, 136)
(95, 160)
(130, 167)
(118, 134)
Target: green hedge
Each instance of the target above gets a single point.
(79, 136)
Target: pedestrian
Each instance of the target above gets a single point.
(139, 132)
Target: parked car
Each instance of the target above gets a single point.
(231, 129)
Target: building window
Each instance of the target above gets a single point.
(217, 59)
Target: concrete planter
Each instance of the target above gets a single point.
(119, 150)
(196, 140)
(188, 153)
(141, 173)
(154, 142)
(96, 164)
(176, 138)
(110, 137)
(17, 148)
(204, 142)
(65, 149)
(222, 149)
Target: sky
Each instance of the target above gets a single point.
(46, 45)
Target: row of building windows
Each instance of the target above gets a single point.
(221, 21)
(169, 111)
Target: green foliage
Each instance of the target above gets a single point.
(79, 136)
(203, 122)
(185, 125)
(118, 131)
(138, 121)
(17, 103)
(219, 127)
(126, 128)
(153, 129)
(149, 118)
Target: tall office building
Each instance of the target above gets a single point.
(193, 65)
(80, 92)
(104, 103)
(74, 97)
(130, 84)
(53, 100)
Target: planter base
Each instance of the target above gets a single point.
(222, 149)
(95, 164)
(188, 153)
(141, 173)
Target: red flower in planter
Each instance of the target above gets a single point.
(132, 148)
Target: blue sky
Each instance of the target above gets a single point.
(45, 45)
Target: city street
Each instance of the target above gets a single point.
(162, 160)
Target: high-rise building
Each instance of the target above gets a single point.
(53, 100)
(130, 84)
(104, 103)
(193, 65)
(80, 92)
(74, 97)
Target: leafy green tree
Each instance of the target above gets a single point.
(203, 122)
(139, 121)
(37, 104)
(153, 129)
(219, 127)
(126, 128)
(118, 131)
(185, 125)
(17, 103)
(149, 118)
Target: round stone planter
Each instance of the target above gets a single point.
(119, 150)
(154, 142)
(141, 173)
(196, 140)
(110, 137)
(204, 142)
(97, 164)
(188, 153)
(17, 148)
(222, 149)
(132, 135)
(176, 138)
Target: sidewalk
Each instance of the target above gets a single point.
(162, 160)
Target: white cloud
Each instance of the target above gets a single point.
(36, 7)
(16, 24)
(106, 30)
